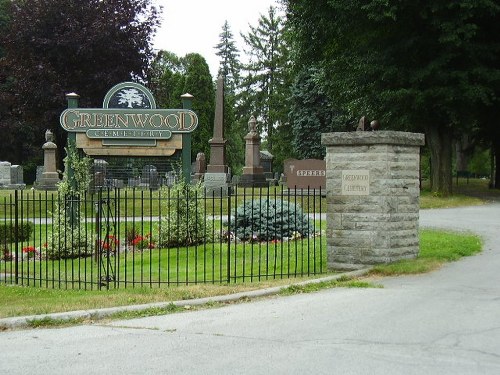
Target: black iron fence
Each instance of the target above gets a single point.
(124, 238)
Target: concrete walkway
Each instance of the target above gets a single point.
(444, 322)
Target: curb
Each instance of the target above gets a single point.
(24, 321)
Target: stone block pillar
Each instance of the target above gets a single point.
(372, 197)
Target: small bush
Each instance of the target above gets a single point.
(68, 240)
(7, 231)
(267, 220)
(5, 254)
(185, 223)
(131, 234)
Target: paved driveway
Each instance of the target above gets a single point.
(445, 322)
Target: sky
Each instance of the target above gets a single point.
(195, 25)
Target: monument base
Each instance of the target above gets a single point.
(253, 180)
(48, 181)
(216, 184)
(13, 186)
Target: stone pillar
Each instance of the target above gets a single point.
(50, 177)
(253, 173)
(217, 177)
(372, 197)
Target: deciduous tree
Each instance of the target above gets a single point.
(53, 47)
(415, 65)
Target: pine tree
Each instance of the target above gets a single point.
(229, 54)
(264, 88)
(229, 69)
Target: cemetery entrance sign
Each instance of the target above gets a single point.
(129, 124)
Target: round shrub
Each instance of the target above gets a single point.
(267, 220)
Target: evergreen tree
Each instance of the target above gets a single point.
(229, 69)
(311, 113)
(265, 87)
(229, 66)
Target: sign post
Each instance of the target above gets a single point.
(187, 100)
(129, 124)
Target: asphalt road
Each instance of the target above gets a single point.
(444, 322)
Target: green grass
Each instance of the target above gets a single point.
(436, 248)
(146, 203)
(342, 282)
(430, 200)
(466, 192)
(22, 300)
(185, 265)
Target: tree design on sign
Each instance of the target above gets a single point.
(130, 97)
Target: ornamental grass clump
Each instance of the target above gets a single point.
(270, 219)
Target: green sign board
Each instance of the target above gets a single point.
(129, 123)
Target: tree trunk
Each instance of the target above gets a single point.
(439, 139)
(496, 167)
(463, 151)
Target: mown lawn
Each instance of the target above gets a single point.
(437, 247)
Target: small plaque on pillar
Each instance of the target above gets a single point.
(356, 182)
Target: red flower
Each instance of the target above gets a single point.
(29, 249)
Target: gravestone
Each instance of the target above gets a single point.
(372, 183)
(253, 173)
(150, 177)
(50, 177)
(16, 175)
(39, 172)
(199, 167)
(170, 178)
(5, 173)
(266, 161)
(100, 174)
(217, 177)
(305, 174)
(11, 176)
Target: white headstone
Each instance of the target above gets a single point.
(5, 173)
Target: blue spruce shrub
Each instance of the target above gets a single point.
(267, 220)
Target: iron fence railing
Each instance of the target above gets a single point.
(123, 238)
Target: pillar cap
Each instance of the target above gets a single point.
(371, 138)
